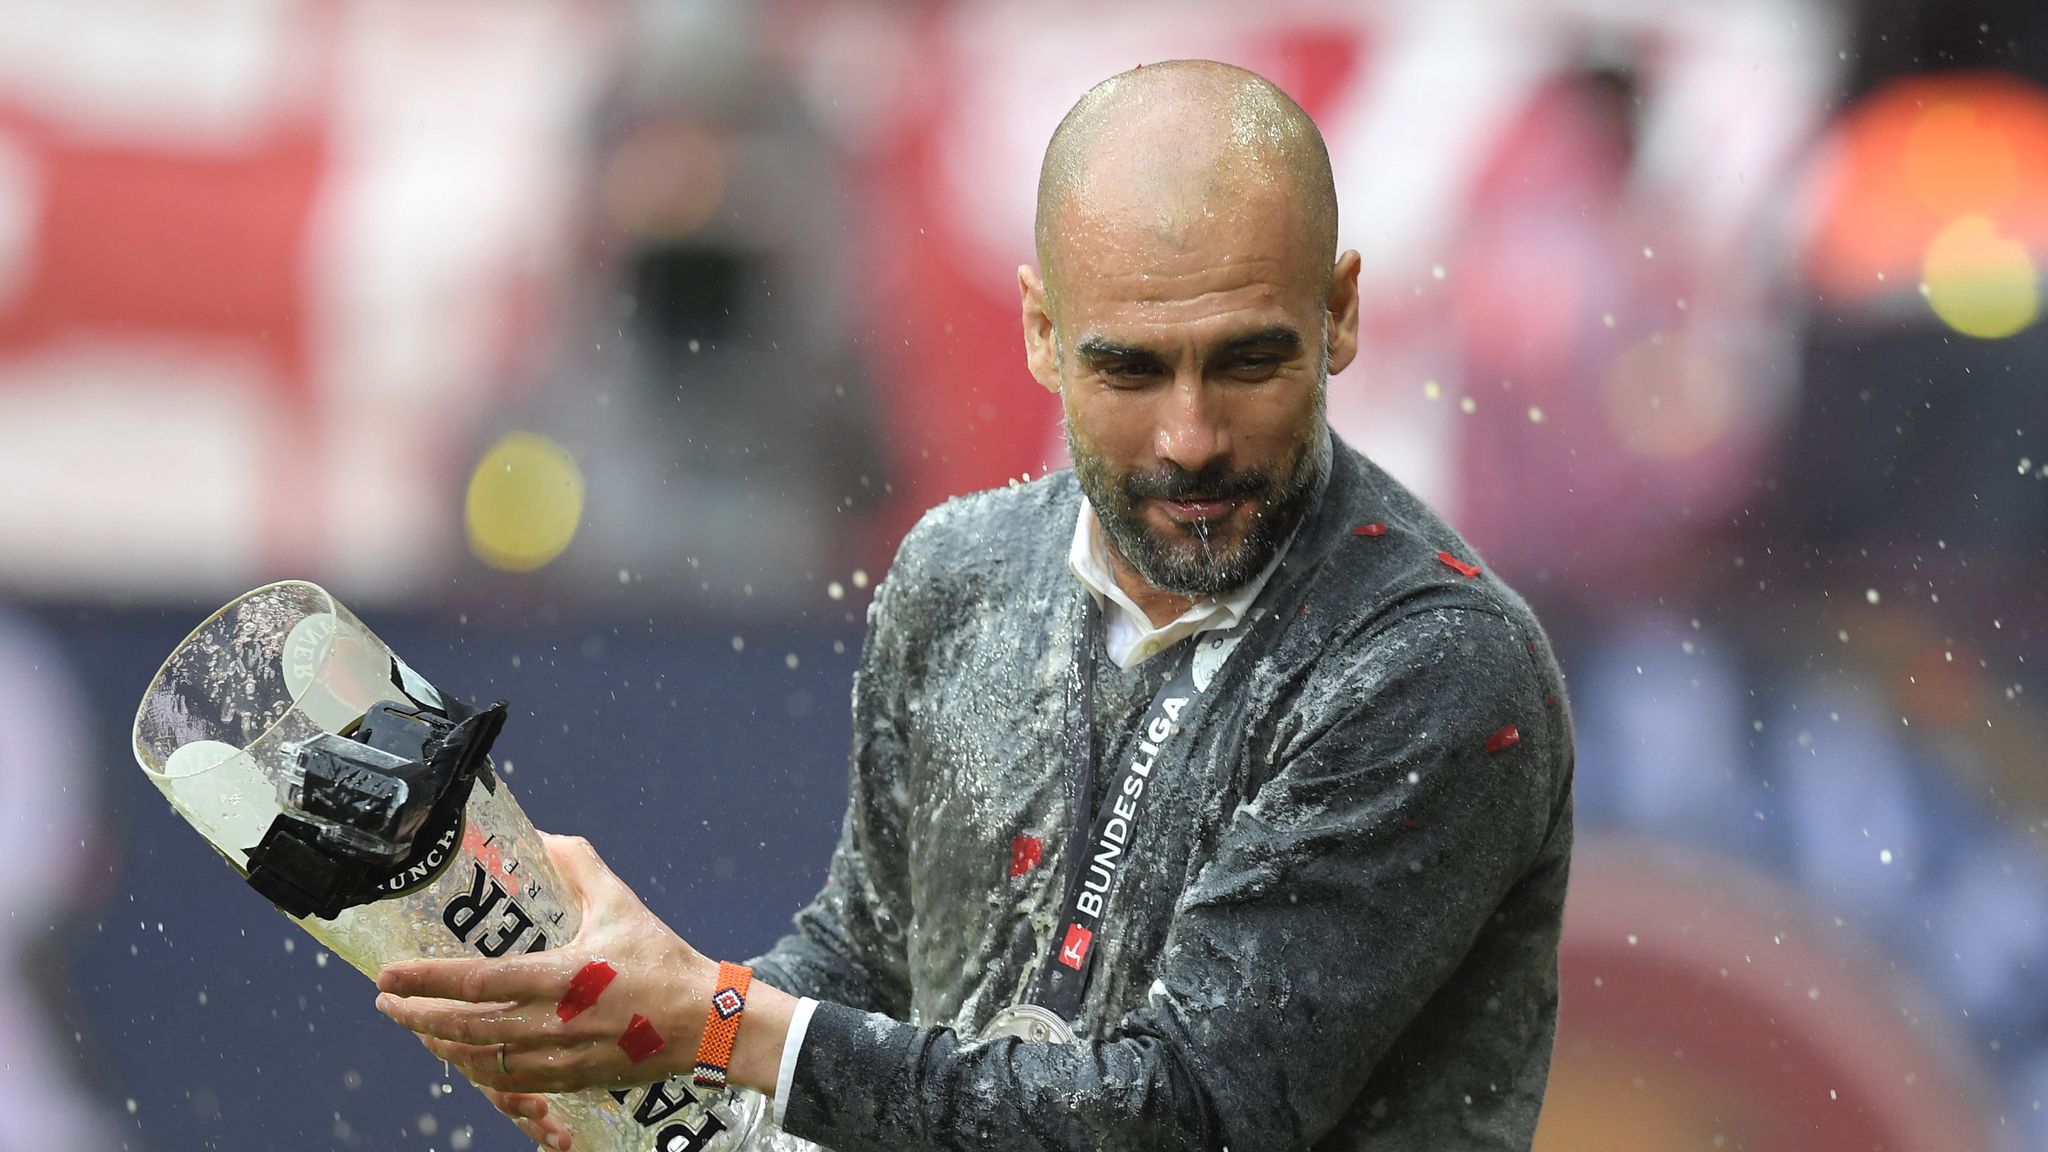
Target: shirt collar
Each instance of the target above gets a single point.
(1132, 636)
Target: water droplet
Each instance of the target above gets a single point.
(1870, 595)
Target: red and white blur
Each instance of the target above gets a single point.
(598, 353)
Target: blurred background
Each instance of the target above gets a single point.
(598, 353)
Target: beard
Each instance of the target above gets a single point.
(1187, 559)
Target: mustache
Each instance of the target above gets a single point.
(1215, 482)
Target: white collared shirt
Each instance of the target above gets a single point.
(1131, 638)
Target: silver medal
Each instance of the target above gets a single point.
(1031, 1023)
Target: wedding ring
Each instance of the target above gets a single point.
(502, 1070)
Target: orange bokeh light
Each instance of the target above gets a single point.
(1911, 159)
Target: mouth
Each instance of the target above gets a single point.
(1193, 509)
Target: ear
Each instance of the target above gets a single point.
(1040, 352)
(1342, 303)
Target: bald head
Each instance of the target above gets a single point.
(1180, 146)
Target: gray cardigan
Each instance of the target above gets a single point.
(1337, 927)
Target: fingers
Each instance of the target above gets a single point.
(485, 1024)
(530, 1112)
(514, 1071)
(517, 980)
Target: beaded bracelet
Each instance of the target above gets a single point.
(728, 1000)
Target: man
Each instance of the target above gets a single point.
(1310, 893)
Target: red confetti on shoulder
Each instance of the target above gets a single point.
(1025, 852)
(640, 1040)
(584, 989)
(1504, 739)
(1457, 565)
(1373, 529)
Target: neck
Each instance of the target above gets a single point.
(1160, 607)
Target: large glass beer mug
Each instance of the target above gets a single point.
(362, 802)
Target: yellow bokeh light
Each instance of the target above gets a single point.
(1979, 282)
(525, 501)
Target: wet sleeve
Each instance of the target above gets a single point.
(1341, 898)
(847, 945)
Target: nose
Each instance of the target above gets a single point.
(1192, 431)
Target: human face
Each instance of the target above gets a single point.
(1221, 524)
(1192, 372)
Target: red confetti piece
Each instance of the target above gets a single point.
(1374, 529)
(1551, 701)
(640, 1040)
(1457, 565)
(1025, 852)
(584, 989)
(1504, 739)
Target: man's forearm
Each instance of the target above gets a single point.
(757, 1051)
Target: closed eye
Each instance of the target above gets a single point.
(1253, 367)
(1129, 372)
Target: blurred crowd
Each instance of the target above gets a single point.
(1716, 326)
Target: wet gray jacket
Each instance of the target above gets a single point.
(1337, 926)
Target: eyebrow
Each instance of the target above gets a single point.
(1277, 338)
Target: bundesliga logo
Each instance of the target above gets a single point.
(1075, 949)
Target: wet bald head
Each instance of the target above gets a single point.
(1181, 147)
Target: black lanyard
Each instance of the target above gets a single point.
(1100, 851)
